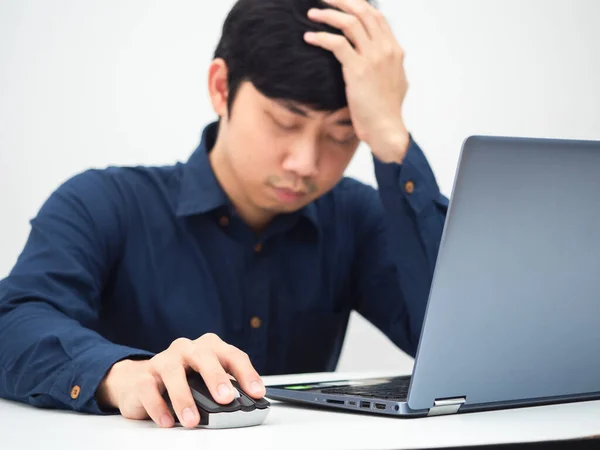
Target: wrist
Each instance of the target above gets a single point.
(107, 394)
(399, 144)
(392, 146)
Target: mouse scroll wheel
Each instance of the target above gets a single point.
(236, 393)
(245, 401)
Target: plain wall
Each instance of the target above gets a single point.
(91, 83)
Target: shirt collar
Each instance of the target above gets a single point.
(200, 190)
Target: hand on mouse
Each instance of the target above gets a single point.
(136, 387)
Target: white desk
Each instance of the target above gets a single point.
(291, 427)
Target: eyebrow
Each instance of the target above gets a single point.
(292, 107)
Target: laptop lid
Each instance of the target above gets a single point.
(514, 309)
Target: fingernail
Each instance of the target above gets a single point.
(256, 387)
(165, 421)
(223, 390)
(188, 415)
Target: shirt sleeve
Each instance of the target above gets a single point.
(400, 228)
(52, 354)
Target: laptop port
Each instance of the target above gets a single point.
(335, 402)
(351, 403)
(379, 406)
(365, 404)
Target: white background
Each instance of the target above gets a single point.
(91, 83)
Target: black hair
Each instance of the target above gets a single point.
(262, 42)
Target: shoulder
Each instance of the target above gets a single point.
(119, 182)
(110, 192)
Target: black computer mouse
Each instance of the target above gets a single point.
(243, 411)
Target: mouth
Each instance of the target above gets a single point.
(289, 195)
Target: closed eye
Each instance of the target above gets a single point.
(283, 126)
(286, 127)
(346, 141)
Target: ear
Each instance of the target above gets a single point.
(217, 86)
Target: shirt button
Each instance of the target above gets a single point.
(255, 322)
(409, 187)
(258, 247)
(75, 392)
(224, 221)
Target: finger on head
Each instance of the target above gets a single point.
(339, 45)
(369, 16)
(352, 28)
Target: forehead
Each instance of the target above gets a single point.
(340, 116)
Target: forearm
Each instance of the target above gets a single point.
(413, 202)
(415, 213)
(49, 360)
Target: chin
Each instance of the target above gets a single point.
(288, 207)
(284, 209)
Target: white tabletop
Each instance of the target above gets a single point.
(293, 427)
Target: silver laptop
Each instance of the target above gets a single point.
(513, 316)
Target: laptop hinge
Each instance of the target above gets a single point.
(446, 406)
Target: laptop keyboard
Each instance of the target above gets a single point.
(396, 390)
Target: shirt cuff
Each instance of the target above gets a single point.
(78, 382)
(413, 178)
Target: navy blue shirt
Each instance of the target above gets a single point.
(122, 261)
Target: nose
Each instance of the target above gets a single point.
(302, 159)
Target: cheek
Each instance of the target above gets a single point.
(254, 151)
(332, 166)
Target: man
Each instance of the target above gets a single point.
(250, 257)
